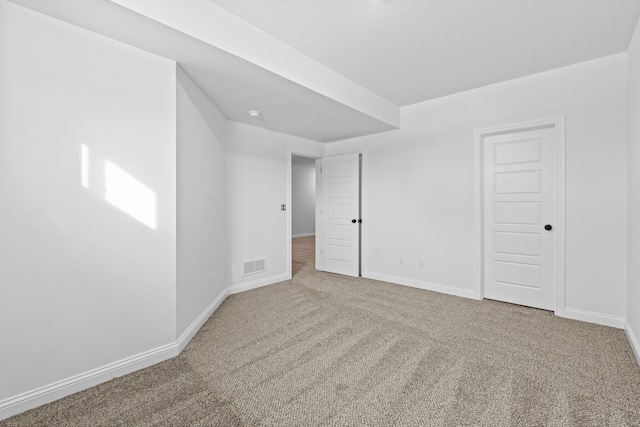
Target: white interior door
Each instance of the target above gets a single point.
(519, 215)
(338, 214)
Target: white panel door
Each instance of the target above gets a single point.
(338, 214)
(519, 214)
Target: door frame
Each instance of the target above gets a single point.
(558, 124)
(290, 155)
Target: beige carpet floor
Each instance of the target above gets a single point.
(327, 350)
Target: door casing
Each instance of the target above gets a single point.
(558, 124)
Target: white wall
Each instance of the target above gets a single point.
(257, 175)
(633, 288)
(303, 196)
(202, 202)
(82, 282)
(418, 194)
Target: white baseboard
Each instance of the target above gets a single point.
(633, 340)
(296, 236)
(429, 286)
(247, 286)
(189, 333)
(59, 389)
(52, 392)
(593, 317)
(49, 393)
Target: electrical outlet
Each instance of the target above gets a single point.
(421, 263)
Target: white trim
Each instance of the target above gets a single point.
(289, 253)
(247, 286)
(419, 284)
(478, 216)
(364, 213)
(59, 389)
(297, 236)
(319, 261)
(593, 317)
(558, 123)
(561, 236)
(49, 393)
(195, 326)
(633, 340)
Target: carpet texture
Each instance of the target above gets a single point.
(329, 350)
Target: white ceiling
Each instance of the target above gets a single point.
(410, 51)
(328, 70)
(227, 61)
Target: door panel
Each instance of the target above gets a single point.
(341, 189)
(339, 253)
(516, 213)
(519, 199)
(517, 151)
(338, 204)
(517, 182)
(339, 232)
(516, 243)
(337, 211)
(518, 274)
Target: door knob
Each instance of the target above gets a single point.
(548, 227)
(354, 221)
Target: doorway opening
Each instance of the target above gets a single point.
(302, 213)
(337, 212)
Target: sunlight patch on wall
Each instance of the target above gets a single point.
(129, 195)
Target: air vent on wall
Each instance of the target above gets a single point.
(253, 267)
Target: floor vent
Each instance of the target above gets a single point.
(253, 267)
